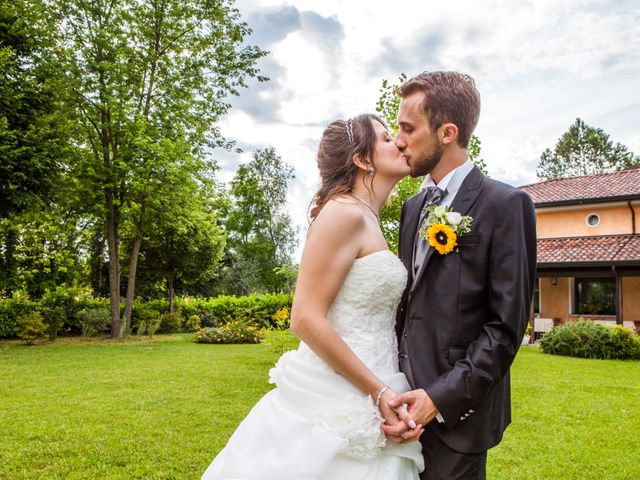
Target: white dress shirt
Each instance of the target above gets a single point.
(451, 182)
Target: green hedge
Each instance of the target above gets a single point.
(255, 309)
(588, 339)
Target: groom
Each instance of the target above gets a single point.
(463, 314)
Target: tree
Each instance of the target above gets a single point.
(184, 247)
(584, 150)
(261, 237)
(48, 250)
(34, 131)
(32, 124)
(147, 81)
(387, 107)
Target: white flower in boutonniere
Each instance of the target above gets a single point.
(442, 227)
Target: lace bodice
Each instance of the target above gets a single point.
(364, 310)
(363, 314)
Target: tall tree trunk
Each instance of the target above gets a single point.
(131, 284)
(114, 265)
(133, 267)
(171, 292)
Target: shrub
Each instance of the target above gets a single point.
(94, 321)
(149, 327)
(230, 332)
(281, 318)
(528, 330)
(170, 322)
(64, 303)
(10, 310)
(31, 327)
(159, 304)
(147, 319)
(193, 323)
(261, 308)
(207, 320)
(588, 339)
(69, 300)
(625, 343)
(257, 309)
(54, 320)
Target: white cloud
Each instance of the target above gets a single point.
(538, 65)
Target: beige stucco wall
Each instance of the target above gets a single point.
(554, 299)
(631, 298)
(554, 223)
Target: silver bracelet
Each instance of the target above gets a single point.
(379, 397)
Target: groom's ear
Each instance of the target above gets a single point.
(448, 133)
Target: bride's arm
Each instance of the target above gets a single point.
(335, 240)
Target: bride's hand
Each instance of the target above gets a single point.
(398, 425)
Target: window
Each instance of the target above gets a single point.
(595, 296)
(593, 220)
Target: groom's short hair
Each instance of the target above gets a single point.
(449, 97)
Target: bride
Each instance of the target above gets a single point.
(322, 421)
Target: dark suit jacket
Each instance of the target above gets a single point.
(465, 313)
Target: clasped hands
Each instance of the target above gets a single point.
(406, 414)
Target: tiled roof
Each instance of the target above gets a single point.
(610, 248)
(592, 187)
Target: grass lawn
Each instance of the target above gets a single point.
(161, 409)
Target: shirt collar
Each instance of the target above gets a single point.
(460, 172)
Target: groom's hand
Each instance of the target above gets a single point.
(398, 425)
(420, 406)
(405, 429)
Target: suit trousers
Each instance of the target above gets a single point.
(443, 463)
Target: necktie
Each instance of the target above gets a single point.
(434, 197)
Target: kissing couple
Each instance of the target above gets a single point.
(402, 371)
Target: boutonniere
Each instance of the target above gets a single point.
(442, 227)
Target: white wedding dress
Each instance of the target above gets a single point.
(316, 425)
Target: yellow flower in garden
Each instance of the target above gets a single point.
(442, 238)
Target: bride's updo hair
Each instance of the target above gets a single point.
(340, 142)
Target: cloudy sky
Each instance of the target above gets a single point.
(538, 65)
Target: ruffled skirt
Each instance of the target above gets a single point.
(315, 426)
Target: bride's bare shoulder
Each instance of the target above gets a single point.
(340, 215)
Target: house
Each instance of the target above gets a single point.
(588, 249)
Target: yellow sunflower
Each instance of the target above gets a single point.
(442, 238)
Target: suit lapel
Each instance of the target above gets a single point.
(468, 193)
(466, 197)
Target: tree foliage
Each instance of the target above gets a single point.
(387, 107)
(184, 247)
(261, 237)
(32, 122)
(147, 82)
(584, 150)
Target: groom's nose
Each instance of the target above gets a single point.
(399, 142)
